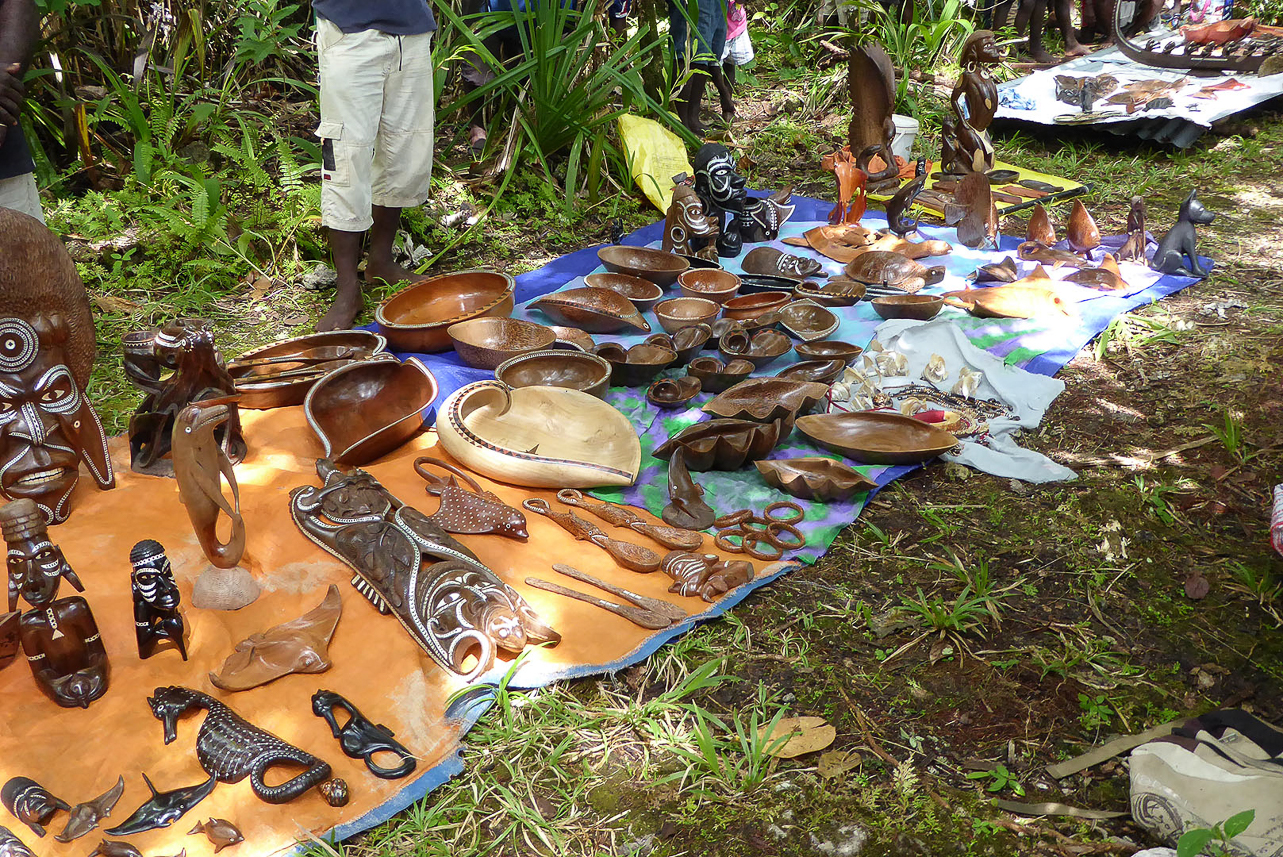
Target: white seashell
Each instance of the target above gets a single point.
(935, 372)
(913, 405)
(862, 403)
(875, 347)
(840, 391)
(968, 382)
(892, 363)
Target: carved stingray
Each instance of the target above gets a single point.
(299, 646)
(469, 512)
(84, 817)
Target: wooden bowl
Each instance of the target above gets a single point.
(824, 371)
(920, 307)
(592, 310)
(676, 313)
(877, 437)
(484, 343)
(814, 478)
(541, 437)
(659, 267)
(365, 410)
(266, 377)
(635, 366)
(673, 392)
(687, 342)
(715, 376)
(761, 348)
(751, 306)
(712, 283)
(417, 318)
(574, 370)
(643, 293)
(829, 349)
(765, 400)
(808, 321)
(571, 337)
(840, 292)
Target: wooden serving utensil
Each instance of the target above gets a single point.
(655, 605)
(673, 538)
(637, 615)
(630, 556)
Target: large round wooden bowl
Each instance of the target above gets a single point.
(267, 377)
(659, 267)
(484, 343)
(541, 437)
(417, 318)
(365, 410)
(574, 370)
(711, 283)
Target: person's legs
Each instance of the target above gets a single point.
(20, 194)
(724, 80)
(402, 170)
(352, 69)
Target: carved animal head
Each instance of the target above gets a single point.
(1192, 211)
(167, 705)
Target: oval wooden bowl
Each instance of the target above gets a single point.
(417, 318)
(765, 347)
(484, 343)
(574, 370)
(823, 371)
(676, 313)
(834, 293)
(256, 380)
(659, 267)
(808, 321)
(673, 392)
(876, 437)
(365, 410)
(920, 307)
(814, 478)
(687, 342)
(541, 437)
(829, 349)
(752, 305)
(592, 310)
(712, 283)
(643, 293)
(722, 444)
(715, 376)
(572, 337)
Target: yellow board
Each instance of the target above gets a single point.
(1071, 189)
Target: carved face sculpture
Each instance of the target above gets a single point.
(686, 221)
(716, 179)
(153, 579)
(980, 49)
(47, 426)
(36, 565)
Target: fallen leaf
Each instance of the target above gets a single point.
(295, 320)
(835, 763)
(805, 735)
(1196, 586)
(111, 303)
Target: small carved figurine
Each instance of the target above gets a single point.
(852, 183)
(686, 507)
(47, 349)
(231, 748)
(1177, 252)
(176, 366)
(763, 216)
(721, 190)
(31, 803)
(407, 565)
(1133, 249)
(59, 635)
(12, 846)
(704, 575)
(299, 646)
(219, 831)
(84, 817)
(361, 739)
(965, 143)
(107, 848)
(974, 212)
(1082, 233)
(468, 512)
(163, 808)
(688, 230)
(898, 206)
(156, 600)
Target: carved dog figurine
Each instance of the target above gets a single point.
(1182, 243)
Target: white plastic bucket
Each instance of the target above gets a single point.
(906, 130)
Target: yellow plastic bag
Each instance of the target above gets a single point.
(654, 156)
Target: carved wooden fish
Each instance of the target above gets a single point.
(219, 831)
(108, 848)
(1030, 297)
(163, 808)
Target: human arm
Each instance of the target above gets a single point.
(19, 29)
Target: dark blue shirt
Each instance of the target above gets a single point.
(398, 17)
(15, 158)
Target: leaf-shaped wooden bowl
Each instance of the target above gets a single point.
(484, 343)
(643, 293)
(828, 349)
(659, 267)
(416, 319)
(676, 313)
(722, 444)
(752, 305)
(840, 292)
(877, 437)
(673, 392)
(365, 410)
(592, 310)
(635, 366)
(765, 400)
(823, 371)
(715, 376)
(807, 320)
(574, 370)
(814, 478)
(541, 437)
(571, 337)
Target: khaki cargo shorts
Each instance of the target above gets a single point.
(20, 194)
(377, 114)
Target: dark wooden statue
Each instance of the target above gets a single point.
(1177, 251)
(450, 603)
(1133, 249)
(721, 190)
(223, 834)
(870, 81)
(231, 748)
(965, 143)
(688, 229)
(31, 803)
(59, 635)
(47, 349)
(156, 600)
(84, 817)
(176, 365)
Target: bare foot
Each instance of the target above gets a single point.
(1076, 50)
(1043, 57)
(348, 304)
(390, 272)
